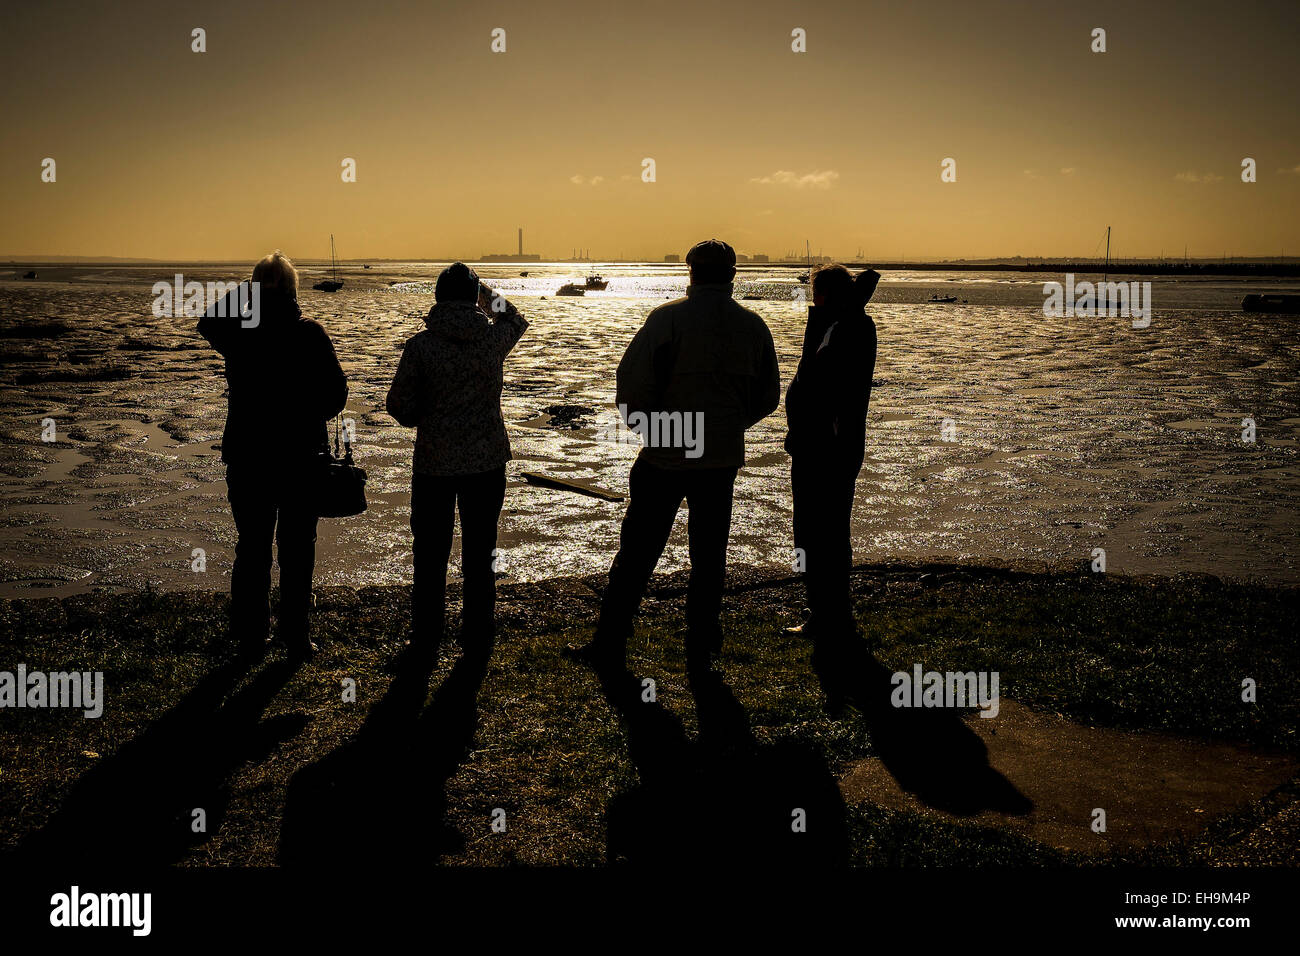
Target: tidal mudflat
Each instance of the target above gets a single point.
(1067, 435)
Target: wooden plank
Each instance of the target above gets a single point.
(578, 486)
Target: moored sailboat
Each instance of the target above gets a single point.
(335, 283)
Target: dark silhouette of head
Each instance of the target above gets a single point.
(457, 283)
(833, 285)
(711, 261)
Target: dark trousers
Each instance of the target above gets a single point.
(654, 495)
(823, 513)
(266, 502)
(434, 499)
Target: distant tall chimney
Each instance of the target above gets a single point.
(521, 240)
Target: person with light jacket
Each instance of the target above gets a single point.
(448, 387)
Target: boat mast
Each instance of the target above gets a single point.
(1106, 278)
(333, 263)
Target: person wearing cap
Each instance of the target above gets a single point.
(701, 370)
(448, 387)
(826, 411)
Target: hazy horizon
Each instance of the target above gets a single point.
(563, 260)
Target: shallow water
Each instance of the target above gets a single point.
(1071, 434)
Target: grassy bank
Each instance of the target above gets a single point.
(288, 771)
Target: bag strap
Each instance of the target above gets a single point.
(347, 445)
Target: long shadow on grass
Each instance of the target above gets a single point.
(724, 798)
(138, 805)
(380, 798)
(929, 750)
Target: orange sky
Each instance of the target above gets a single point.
(165, 153)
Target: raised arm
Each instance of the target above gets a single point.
(507, 326)
(850, 366)
(221, 323)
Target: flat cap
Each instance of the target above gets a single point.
(712, 252)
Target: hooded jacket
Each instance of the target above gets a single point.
(826, 403)
(707, 357)
(284, 380)
(448, 387)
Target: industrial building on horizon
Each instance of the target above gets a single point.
(512, 257)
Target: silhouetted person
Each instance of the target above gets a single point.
(285, 383)
(826, 409)
(448, 387)
(699, 373)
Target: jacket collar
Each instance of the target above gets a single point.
(709, 289)
(280, 307)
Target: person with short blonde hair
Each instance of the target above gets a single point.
(285, 384)
(277, 272)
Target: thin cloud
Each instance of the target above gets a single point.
(1069, 170)
(1293, 171)
(1198, 178)
(580, 180)
(818, 179)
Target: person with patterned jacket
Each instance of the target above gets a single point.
(448, 387)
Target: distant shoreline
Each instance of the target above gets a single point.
(1192, 268)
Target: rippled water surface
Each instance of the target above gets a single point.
(1070, 434)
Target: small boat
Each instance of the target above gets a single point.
(365, 265)
(571, 288)
(524, 274)
(29, 275)
(334, 284)
(943, 298)
(1271, 302)
(595, 282)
